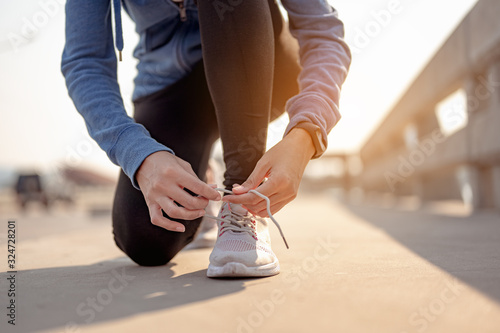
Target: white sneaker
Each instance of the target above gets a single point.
(243, 246)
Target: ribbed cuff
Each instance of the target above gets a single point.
(132, 148)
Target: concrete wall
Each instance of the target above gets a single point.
(467, 163)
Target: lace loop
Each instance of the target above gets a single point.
(238, 222)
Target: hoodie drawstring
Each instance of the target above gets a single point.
(117, 6)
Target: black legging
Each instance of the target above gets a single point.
(247, 74)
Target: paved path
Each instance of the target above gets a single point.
(349, 269)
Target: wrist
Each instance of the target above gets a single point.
(302, 139)
(144, 170)
(318, 140)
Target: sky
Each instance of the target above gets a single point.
(391, 41)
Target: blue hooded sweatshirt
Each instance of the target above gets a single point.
(168, 48)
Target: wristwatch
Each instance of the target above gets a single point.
(316, 136)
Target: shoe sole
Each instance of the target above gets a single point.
(236, 269)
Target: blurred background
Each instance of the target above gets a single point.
(420, 110)
(395, 228)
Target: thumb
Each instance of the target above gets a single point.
(256, 177)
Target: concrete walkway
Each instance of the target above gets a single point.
(349, 269)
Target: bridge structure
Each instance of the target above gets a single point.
(411, 154)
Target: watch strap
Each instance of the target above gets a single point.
(316, 136)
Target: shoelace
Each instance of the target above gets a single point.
(238, 222)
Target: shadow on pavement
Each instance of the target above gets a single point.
(64, 299)
(465, 247)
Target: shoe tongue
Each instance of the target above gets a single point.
(238, 209)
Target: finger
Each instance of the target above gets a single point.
(158, 219)
(249, 199)
(187, 200)
(262, 205)
(243, 199)
(177, 212)
(197, 186)
(256, 177)
(269, 188)
(274, 209)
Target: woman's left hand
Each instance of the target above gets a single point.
(283, 165)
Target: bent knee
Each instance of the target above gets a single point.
(146, 254)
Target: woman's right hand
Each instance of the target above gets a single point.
(162, 178)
